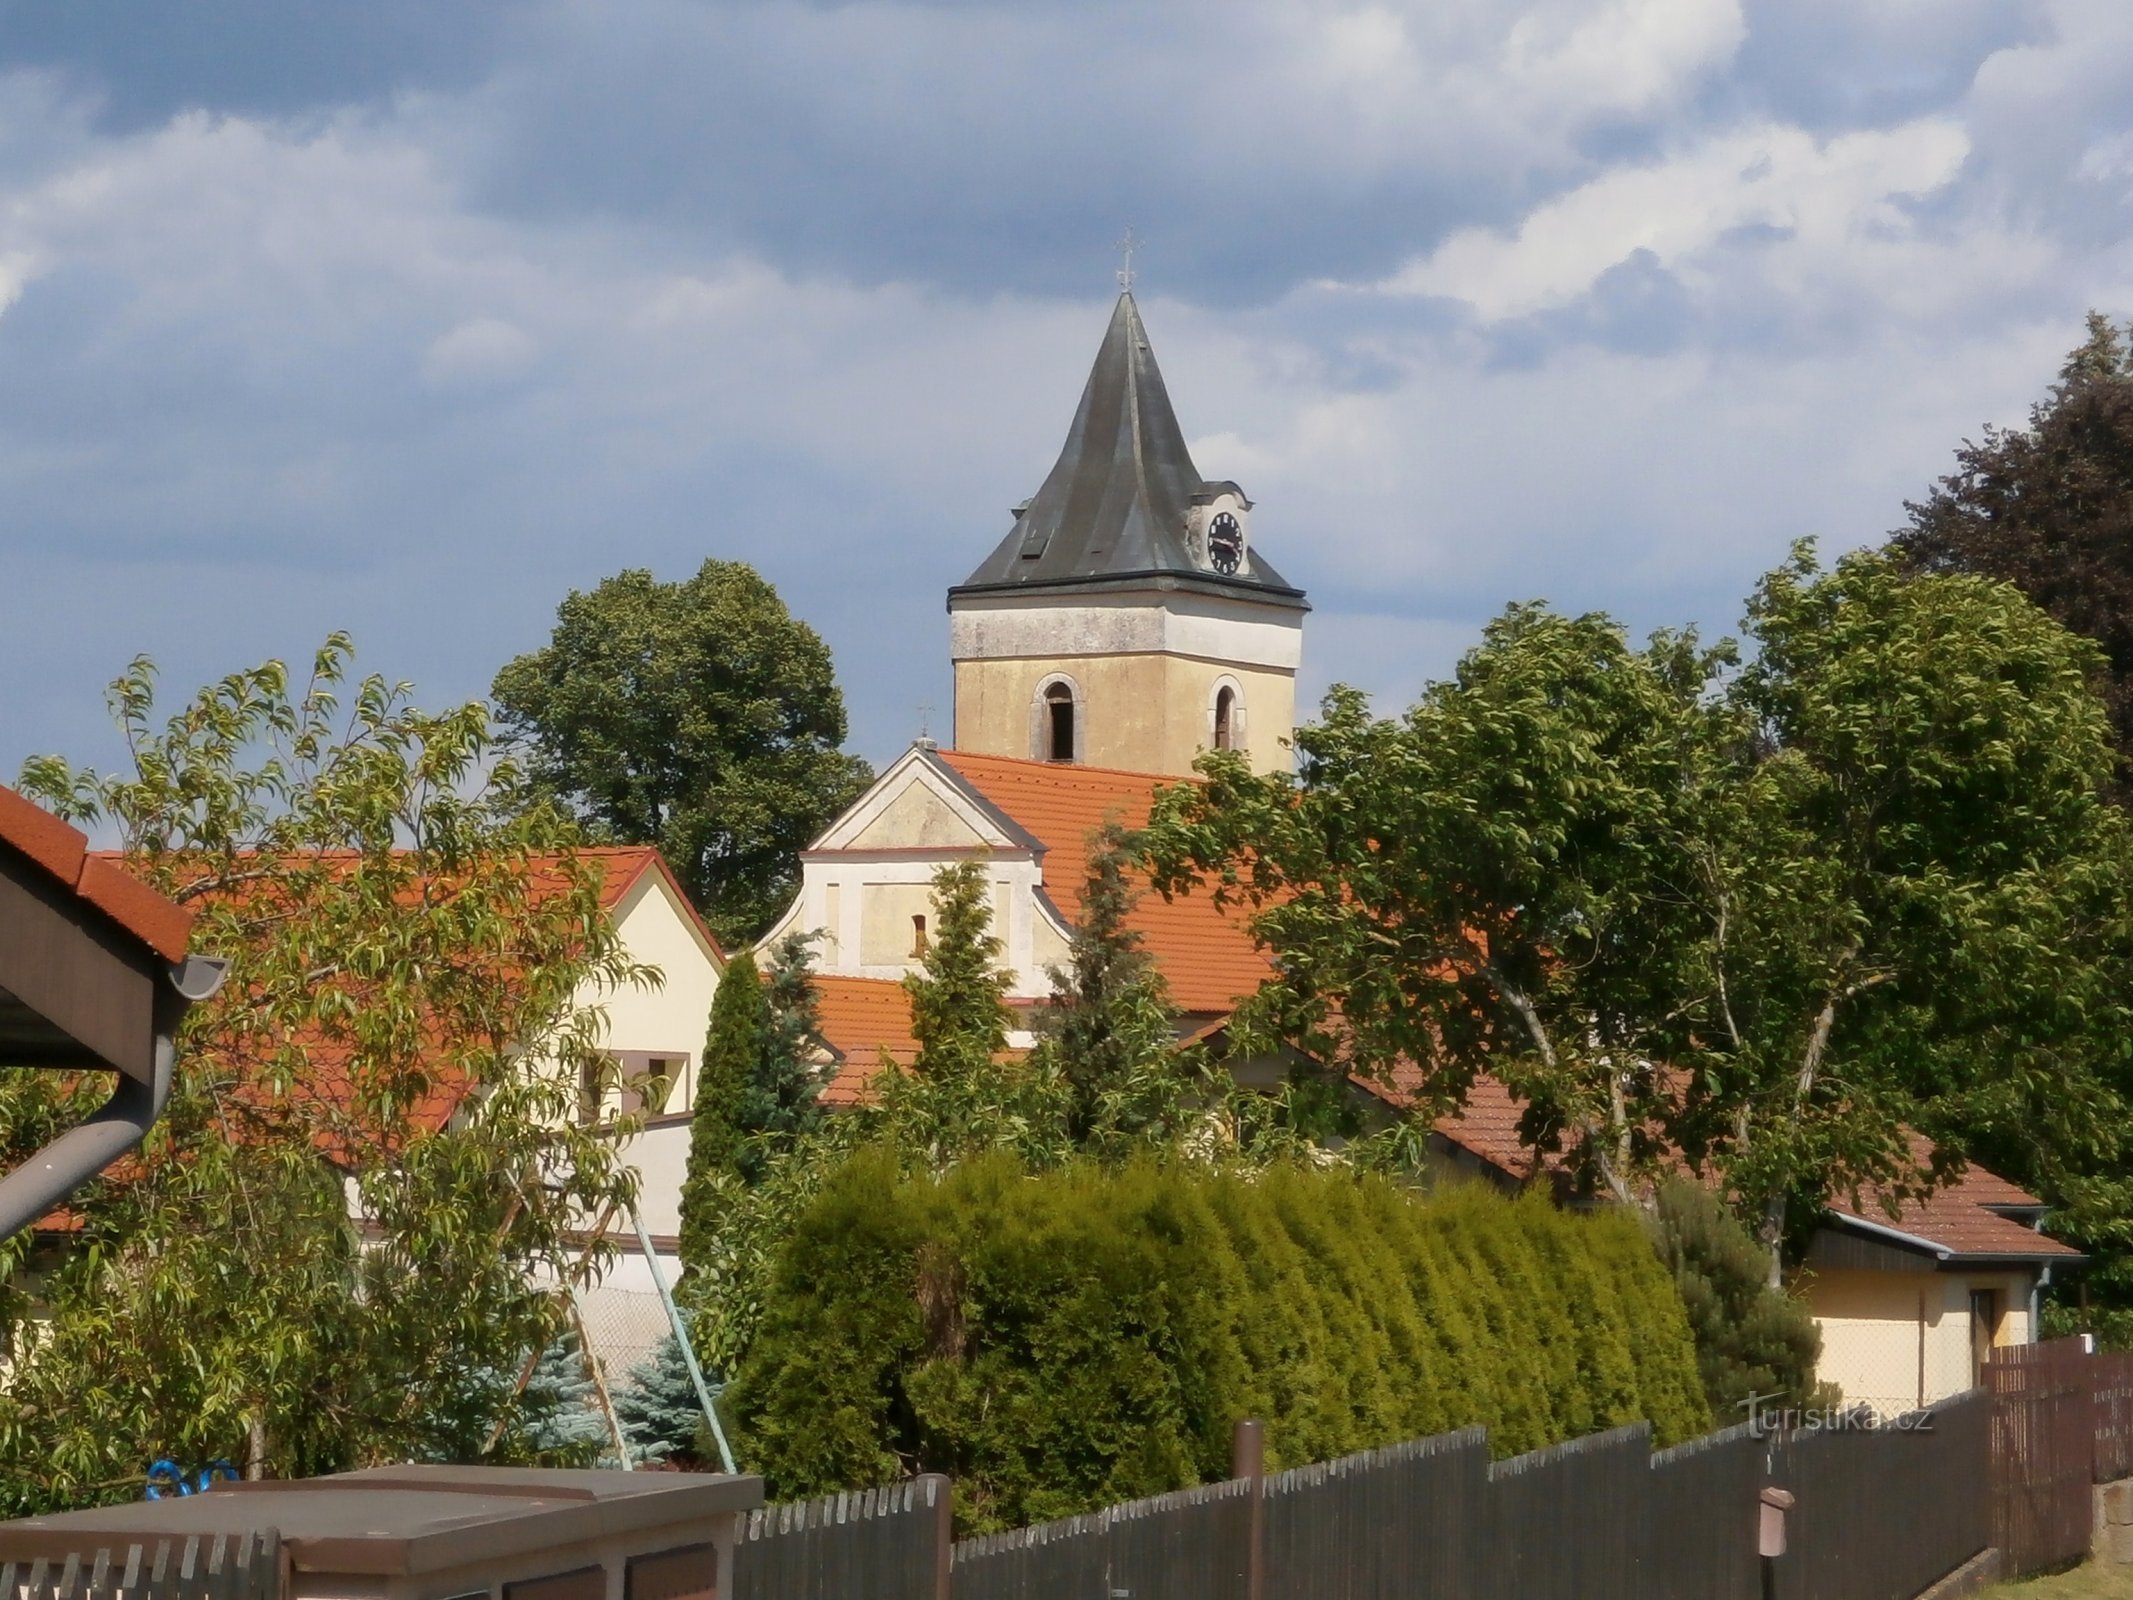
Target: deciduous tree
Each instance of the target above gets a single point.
(2049, 508)
(328, 1252)
(1768, 917)
(699, 716)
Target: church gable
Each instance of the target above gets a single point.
(919, 818)
(919, 804)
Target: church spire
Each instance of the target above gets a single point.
(1121, 500)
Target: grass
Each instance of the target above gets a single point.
(2083, 1583)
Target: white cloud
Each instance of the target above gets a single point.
(1622, 56)
(478, 351)
(17, 267)
(1824, 195)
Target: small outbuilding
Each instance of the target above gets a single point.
(441, 1533)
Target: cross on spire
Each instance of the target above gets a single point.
(1126, 246)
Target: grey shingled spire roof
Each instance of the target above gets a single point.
(1115, 504)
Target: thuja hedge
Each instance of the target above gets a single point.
(1061, 1342)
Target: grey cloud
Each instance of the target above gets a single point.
(816, 287)
(145, 60)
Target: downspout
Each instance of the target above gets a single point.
(33, 1189)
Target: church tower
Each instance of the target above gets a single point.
(1128, 619)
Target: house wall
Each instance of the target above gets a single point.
(667, 1020)
(1896, 1339)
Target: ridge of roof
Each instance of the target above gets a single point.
(1116, 501)
(62, 851)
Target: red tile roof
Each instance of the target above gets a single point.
(160, 924)
(1957, 1217)
(1207, 954)
(861, 1018)
(1960, 1217)
(328, 1081)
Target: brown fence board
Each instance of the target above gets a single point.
(1396, 1522)
(1884, 1510)
(1703, 1517)
(2044, 1440)
(1573, 1521)
(2113, 1384)
(882, 1544)
(1191, 1545)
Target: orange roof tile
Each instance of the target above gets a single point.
(861, 1019)
(1957, 1217)
(1207, 954)
(63, 851)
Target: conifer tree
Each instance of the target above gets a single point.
(560, 1411)
(958, 1014)
(1108, 1028)
(657, 1405)
(733, 1045)
(782, 1099)
(1751, 1339)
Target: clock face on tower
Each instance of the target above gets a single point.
(1225, 543)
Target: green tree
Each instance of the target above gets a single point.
(733, 1048)
(1494, 876)
(699, 716)
(1768, 917)
(327, 1253)
(2049, 508)
(559, 1420)
(1063, 1340)
(958, 1011)
(658, 1407)
(1109, 1030)
(783, 1101)
(1751, 1340)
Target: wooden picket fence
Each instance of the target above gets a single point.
(885, 1544)
(221, 1567)
(1881, 1513)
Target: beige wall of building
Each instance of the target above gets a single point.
(1141, 713)
(668, 1020)
(1894, 1340)
(1146, 667)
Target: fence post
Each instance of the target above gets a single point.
(1247, 1460)
(943, 1532)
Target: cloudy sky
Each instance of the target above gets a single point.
(407, 318)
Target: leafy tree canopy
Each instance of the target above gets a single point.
(2049, 508)
(1768, 916)
(303, 1270)
(699, 716)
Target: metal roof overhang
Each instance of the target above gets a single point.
(78, 993)
(1948, 1255)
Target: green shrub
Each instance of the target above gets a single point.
(1065, 1341)
(1751, 1339)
